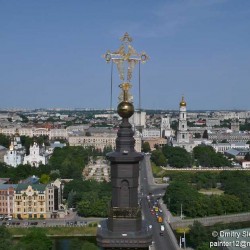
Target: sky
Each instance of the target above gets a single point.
(51, 53)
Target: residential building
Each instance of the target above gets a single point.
(222, 147)
(99, 141)
(238, 154)
(166, 130)
(7, 199)
(151, 132)
(30, 201)
(138, 119)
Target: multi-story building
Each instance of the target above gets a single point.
(222, 147)
(166, 130)
(138, 119)
(211, 122)
(151, 132)
(39, 200)
(56, 133)
(7, 199)
(99, 141)
(30, 201)
(230, 137)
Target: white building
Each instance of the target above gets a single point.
(58, 133)
(138, 119)
(37, 156)
(166, 130)
(15, 154)
(246, 164)
(222, 147)
(151, 132)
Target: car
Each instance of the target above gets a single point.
(162, 228)
(161, 233)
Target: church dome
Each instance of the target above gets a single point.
(183, 103)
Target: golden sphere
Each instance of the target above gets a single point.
(183, 103)
(125, 109)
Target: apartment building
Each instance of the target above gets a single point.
(7, 199)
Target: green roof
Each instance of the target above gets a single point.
(36, 187)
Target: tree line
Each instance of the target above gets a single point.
(178, 157)
(183, 192)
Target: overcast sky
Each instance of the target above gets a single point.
(51, 52)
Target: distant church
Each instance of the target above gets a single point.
(14, 156)
(37, 156)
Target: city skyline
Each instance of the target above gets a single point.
(51, 53)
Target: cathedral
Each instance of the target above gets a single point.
(14, 156)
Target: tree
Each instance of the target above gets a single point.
(146, 147)
(35, 239)
(5, 238)
(197, 135)
(205, 135)
(45, 178)
(4, 140)
(177, 157)
(247, 157)
(82, 245)
(207, 157)
(158, 158)
(198, 235)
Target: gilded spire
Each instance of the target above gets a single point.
(183, 103)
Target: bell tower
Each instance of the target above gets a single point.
(182, 133)
(124, 227)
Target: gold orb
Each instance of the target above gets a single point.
(183, 103)
(125, 109)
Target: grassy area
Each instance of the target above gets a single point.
(157, 171)
(211, 191)
(56, 231)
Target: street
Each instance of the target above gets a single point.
(147, 186)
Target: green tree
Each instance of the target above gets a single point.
(82, 245)
(5, 238)
(177, 157)
(158, 158)
(45, 178)
(35, 239)
(207, 157)
(4, 140)
(198, 235)
(146, 147)
(247, 157)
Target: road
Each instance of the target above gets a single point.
(71, 220)
(147, 185)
